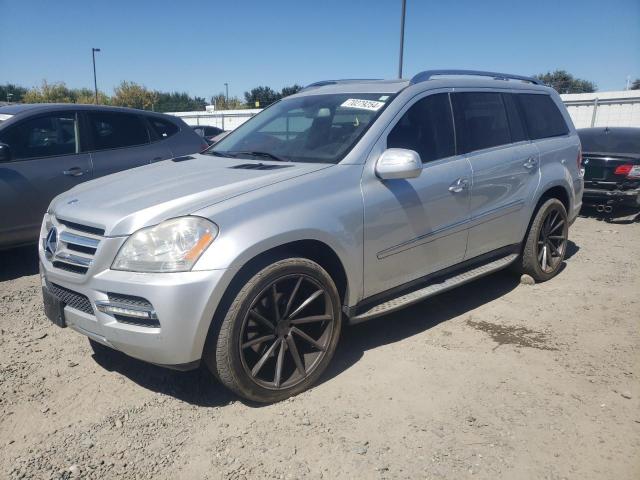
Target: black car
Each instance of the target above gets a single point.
(611, 159)
(207, 132)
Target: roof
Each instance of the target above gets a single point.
(430, 79)
(19, 108)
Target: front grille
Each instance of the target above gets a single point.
(129, 300)
(70, 298)
(77, 245)
(82, 228)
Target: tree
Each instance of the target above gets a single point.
(286, 91)
(221, 102)
(56, 92)
(11, 93)
(178, 102)
(261, 97)
(634, 86)
(88, 96)
(130, 94)
(563, 82)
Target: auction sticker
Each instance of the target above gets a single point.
(363, 104)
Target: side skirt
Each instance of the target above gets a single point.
(433, 284)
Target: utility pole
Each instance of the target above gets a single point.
(95, 81)
(404, 9)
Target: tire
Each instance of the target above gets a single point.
(286, 318)
(548, 231)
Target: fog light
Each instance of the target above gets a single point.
(127, 311)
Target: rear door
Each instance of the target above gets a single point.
(119, 141)
(45, 160)
(504, 163)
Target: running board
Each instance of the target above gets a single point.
(439, 286)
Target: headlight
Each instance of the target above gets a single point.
(171, 246)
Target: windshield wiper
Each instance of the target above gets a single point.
(220, 154)
(260, 154)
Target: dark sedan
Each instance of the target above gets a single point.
(611, 159)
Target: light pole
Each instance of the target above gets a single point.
(226, 86)
(404, 8)
(95, 82)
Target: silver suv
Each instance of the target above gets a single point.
(344, 202)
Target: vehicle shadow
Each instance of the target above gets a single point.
(199, 387)
(18, 262)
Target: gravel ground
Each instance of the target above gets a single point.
(493, 380)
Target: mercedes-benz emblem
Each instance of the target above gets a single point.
(51, 243)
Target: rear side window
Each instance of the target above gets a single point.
(481, 121)
(427, 128)
(46, 136)
(541, 115)
(163, 128)
(116, 130)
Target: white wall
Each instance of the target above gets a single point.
(612, 109)
(225, 119)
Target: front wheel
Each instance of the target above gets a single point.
(280, 332)
(546, 242)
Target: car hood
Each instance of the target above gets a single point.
(127, 201)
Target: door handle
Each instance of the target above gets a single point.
(530, 163)
(459, 185)
(73, 172)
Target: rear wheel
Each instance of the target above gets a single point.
(546, 243)
(280, 332)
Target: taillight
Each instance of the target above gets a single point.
(629, 171)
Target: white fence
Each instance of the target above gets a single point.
(598, 109)
(604, 109)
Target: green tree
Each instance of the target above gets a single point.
(178, 102)
(261, 97)
(11, 93)
(286, 91)
(130, 94)
(564, 82)
(88, 96)
(56, 92)
(221, 102)
(634, 86)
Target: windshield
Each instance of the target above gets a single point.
(318, 128)
(610, 141)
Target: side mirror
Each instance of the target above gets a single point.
(5, 153)
(397, 163)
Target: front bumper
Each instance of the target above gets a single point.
(597, 196)
(183, 302)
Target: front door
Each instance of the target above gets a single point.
(414, 227)
(45, 161)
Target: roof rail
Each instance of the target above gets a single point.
(322, 83)
(427, 74)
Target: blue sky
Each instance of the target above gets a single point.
(197, 46)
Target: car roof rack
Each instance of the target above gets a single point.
(427, 74)
(322, 83)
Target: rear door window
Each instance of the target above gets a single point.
(163, 128)
(426, 128)
(481, 120)
(541, 115)
(116, 130)
(516, 125)
(44, 136)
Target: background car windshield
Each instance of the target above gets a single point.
(318, 128)
(610, 141)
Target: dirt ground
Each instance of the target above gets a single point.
(492, 380)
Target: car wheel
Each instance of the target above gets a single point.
(546, 242)
(280, 332)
